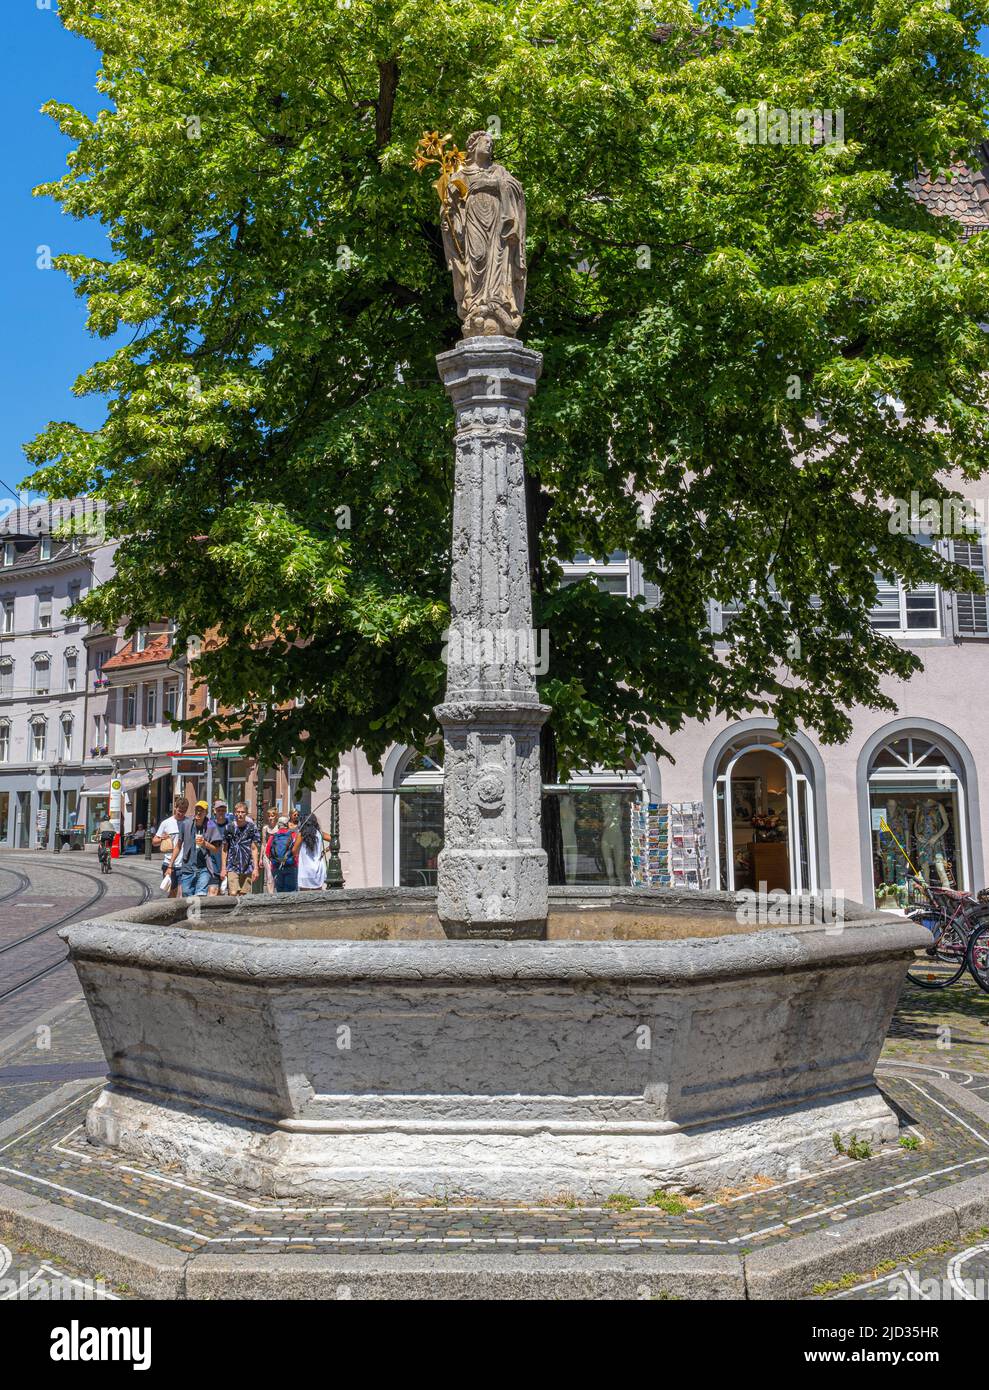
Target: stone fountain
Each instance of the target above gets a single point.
(494, 1039)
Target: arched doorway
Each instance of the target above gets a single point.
(765, 836)
(918, 814)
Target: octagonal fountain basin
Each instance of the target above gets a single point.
(338, 1045)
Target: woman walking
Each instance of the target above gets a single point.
(267, 830)
(312, 864)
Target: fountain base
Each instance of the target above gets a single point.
(344, 1048)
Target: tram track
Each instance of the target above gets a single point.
(102, 884)
(24, 882)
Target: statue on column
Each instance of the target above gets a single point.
(482, 218)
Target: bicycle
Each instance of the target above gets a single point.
(977, 958)
(104, 856)
(953, 919)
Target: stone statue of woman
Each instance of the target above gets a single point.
(484, 238)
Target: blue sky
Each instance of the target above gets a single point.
(45, 344)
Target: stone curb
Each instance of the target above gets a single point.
(795, 1267)
(787, 1270)
(99, 1248)
(465, 1277)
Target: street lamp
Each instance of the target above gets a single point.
(334, 869)
(150, 764)
(56, 818)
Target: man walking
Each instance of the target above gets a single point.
(199, 844)
(164, 839)
(240, 853)
(222, 824)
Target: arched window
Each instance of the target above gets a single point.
(918, 814)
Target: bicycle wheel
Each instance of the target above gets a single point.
(977, 959)
(941, 963)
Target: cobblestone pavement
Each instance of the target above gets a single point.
(946, 1033)
(52, 1158)
(31, 1274)
(942, 1028)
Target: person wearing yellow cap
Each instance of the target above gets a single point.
(198, 844)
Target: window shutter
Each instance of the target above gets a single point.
(971, 610)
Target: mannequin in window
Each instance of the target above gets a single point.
(894, 865)
(568, 830)
(931, 826)
(613, 850)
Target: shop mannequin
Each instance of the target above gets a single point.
(613, 850)
(930, 827)
(894, 865)
(568, 832)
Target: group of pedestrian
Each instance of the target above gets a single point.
(206, 855)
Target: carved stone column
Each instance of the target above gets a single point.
(492, 873)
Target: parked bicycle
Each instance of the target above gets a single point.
(978, 946)
(959, 927)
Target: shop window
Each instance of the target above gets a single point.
(419, 821)
(595, 818)
(596, 828)
(917, 816)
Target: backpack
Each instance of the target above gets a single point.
(281, 849)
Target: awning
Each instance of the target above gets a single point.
(130, 781)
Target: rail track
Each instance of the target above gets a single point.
(82, 909)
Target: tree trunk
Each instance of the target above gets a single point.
(536, 508)
(552, 829)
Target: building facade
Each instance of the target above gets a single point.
(44, 677)
(791, 814)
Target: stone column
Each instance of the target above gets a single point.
(492, 878)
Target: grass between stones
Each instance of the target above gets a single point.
(849, 1281)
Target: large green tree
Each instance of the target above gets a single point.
(728, 330)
